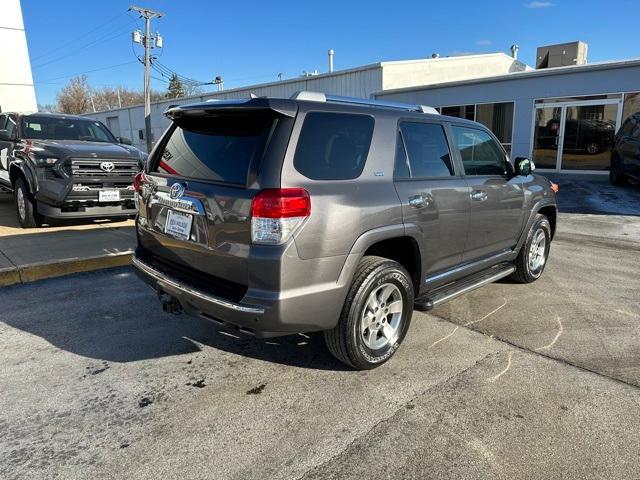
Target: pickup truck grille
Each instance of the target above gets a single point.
(85, 167)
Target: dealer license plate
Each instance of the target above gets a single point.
(108, 196)
(178, 224)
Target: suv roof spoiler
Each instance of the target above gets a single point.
(322, 97)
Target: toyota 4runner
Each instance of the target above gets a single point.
(64, 166)
(321, 213)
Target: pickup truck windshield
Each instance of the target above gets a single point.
(52, 128)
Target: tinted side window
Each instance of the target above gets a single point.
(3, 119)
(626, 129)
(427, 149)
(480, 154)
(402, 166)
(333, 146)
(10, 125)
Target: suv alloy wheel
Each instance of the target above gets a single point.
(376, 314)
(533, 254)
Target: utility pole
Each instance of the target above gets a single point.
(147, 43)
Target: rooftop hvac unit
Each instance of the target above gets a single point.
(561, 55)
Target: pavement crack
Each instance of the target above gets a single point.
(543, 353)
(401, 408)
(504, 303)
(555, 339)
(496, 377)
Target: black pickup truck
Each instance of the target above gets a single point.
(66, 166)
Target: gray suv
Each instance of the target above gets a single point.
(333, 214)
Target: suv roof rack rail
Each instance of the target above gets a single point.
(322, 97)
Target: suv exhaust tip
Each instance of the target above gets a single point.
(170, 304)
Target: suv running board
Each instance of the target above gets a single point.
(455, 289)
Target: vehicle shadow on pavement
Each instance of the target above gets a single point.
(113, 316)
(593, 194)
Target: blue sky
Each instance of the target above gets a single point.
(252, 41)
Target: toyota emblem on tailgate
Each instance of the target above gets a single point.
(176, 191)
(107, 166)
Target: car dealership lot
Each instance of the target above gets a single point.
(535, 380)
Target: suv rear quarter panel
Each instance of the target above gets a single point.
(343, 210)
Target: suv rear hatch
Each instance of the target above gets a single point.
(195, 198)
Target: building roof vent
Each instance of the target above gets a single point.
(561, 55)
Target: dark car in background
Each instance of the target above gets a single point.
(580, 135)
(65, 166)
(625, 157)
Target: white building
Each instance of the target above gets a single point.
(360, 82)
(16, 83)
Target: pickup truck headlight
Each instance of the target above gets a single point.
(43, 161)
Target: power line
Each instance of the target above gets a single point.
(166, 71)
(88, 71)
(74, 40)
(103, 38)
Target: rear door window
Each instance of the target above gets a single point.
(219, 148)
(428, 150)
(333, 146)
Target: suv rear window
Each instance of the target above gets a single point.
(220, 148)
(333, 146)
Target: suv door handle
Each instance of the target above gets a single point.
(478, 196)
(418, 201)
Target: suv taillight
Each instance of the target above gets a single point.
(138, 180)
(277, 213)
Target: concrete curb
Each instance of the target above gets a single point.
(39, 271)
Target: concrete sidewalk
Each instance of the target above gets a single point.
(27, 255)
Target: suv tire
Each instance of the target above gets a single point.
(26, 210)
(616, 174)
(375, 316)
(533, 255)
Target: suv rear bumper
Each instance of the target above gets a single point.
(269, 316)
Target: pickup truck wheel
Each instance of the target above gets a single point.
(533, 255)
(26, 210)
(375, 316)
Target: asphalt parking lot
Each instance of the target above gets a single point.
(510, 381)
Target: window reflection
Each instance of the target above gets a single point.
(588, 137)
(498, 117)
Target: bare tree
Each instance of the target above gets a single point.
(75, 97)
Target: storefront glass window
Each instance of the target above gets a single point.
(498, 117)
(631, 105)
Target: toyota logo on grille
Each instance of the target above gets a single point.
(107, 166)
(176, 191)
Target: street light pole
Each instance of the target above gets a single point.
(147, 42)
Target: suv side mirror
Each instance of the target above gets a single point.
(123, 140)
(4, 135)
(524, 166)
